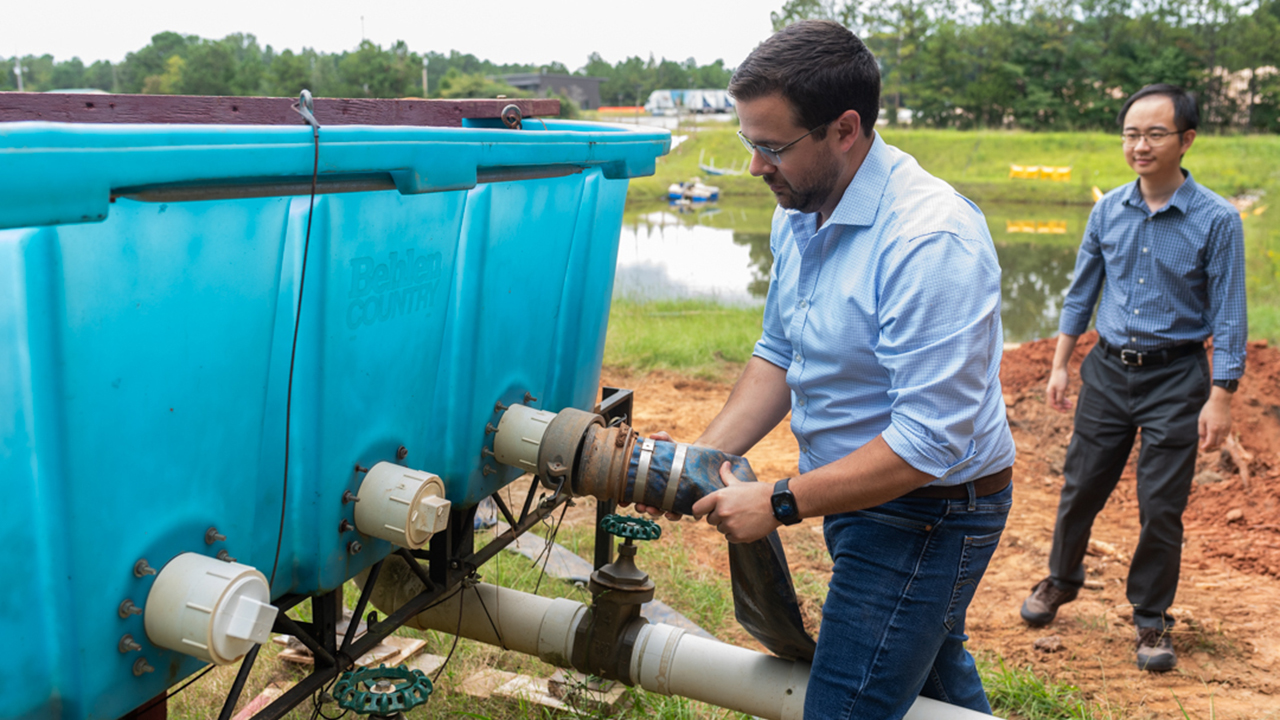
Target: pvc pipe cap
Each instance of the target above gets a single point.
(402, 506)
(209, 609)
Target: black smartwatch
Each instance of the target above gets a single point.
(784, 503)
(1228, 385)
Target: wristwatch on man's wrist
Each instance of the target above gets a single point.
(1228, 385)
(784, 503)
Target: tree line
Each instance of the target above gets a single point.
(237, 65)
(1064, 64)
(1032, 64)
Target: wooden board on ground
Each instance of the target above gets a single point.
(426, 662)
(269, 694)
(391, 651)
(561, 694)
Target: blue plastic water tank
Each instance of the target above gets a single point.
(145, 343)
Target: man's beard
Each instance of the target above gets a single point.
(809, 197)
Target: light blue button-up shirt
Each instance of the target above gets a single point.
(887, 321)
(1173, 276)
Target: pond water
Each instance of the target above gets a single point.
(721, 252)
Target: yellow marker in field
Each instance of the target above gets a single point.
(1033, 227)
(1055, 174)
(1097, 193)
(1260, 210)
(1040, 172)
(1024, 172)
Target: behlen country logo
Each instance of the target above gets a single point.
(403, 284)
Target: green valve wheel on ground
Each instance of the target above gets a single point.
(631, 528)
(382, 690)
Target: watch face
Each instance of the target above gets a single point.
(784, 503)
(784, 507)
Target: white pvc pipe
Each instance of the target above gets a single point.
(528, 624)
(668, 661)
(665, 659)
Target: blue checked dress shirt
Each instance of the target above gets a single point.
(887, 321)
(1171, 277)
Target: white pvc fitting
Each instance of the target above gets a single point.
(209, 609)
(402, 506)
(519, 436)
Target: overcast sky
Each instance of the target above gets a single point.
(504, 31)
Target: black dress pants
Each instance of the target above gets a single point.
(1115, 400)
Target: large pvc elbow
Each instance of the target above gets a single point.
(611, 463)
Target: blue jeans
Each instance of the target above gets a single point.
(893, 623)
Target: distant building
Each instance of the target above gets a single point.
(671, 102)
(585, 91)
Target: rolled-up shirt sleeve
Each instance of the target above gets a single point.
(1086, 282)
(1226, 309)
(936, 342)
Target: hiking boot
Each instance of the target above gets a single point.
(1046, 598)
(1155, 650)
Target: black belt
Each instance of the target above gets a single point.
(982, 487)
(1146, 358)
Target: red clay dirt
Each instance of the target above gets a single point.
(1228, 635)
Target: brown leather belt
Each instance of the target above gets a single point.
(982, 487)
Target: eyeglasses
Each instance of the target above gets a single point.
(1155, 138)
(772, 155)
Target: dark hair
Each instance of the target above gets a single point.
(819, 67)
(1185, 114)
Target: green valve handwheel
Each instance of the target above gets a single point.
(631, 528)
(382, 690)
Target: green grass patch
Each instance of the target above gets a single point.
(977, 164)
(1262, 264)
(694, 337)
(1020, 694)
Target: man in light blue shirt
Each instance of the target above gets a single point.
(1171, 253)
(882, 337)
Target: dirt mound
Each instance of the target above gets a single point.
(1235, 503)
(1227, 639)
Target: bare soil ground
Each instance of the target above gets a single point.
(1228, 636)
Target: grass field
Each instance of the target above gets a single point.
(695, 337)
(977, 164)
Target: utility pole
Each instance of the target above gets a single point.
(425, 60)
(17, 70)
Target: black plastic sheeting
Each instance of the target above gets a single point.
(764, 596)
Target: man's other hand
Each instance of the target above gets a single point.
(741, 511)
(1215, 419)
(1055, 393)
(654, 511)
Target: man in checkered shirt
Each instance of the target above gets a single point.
(1167, 255)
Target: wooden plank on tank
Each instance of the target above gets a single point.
(227, 110)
